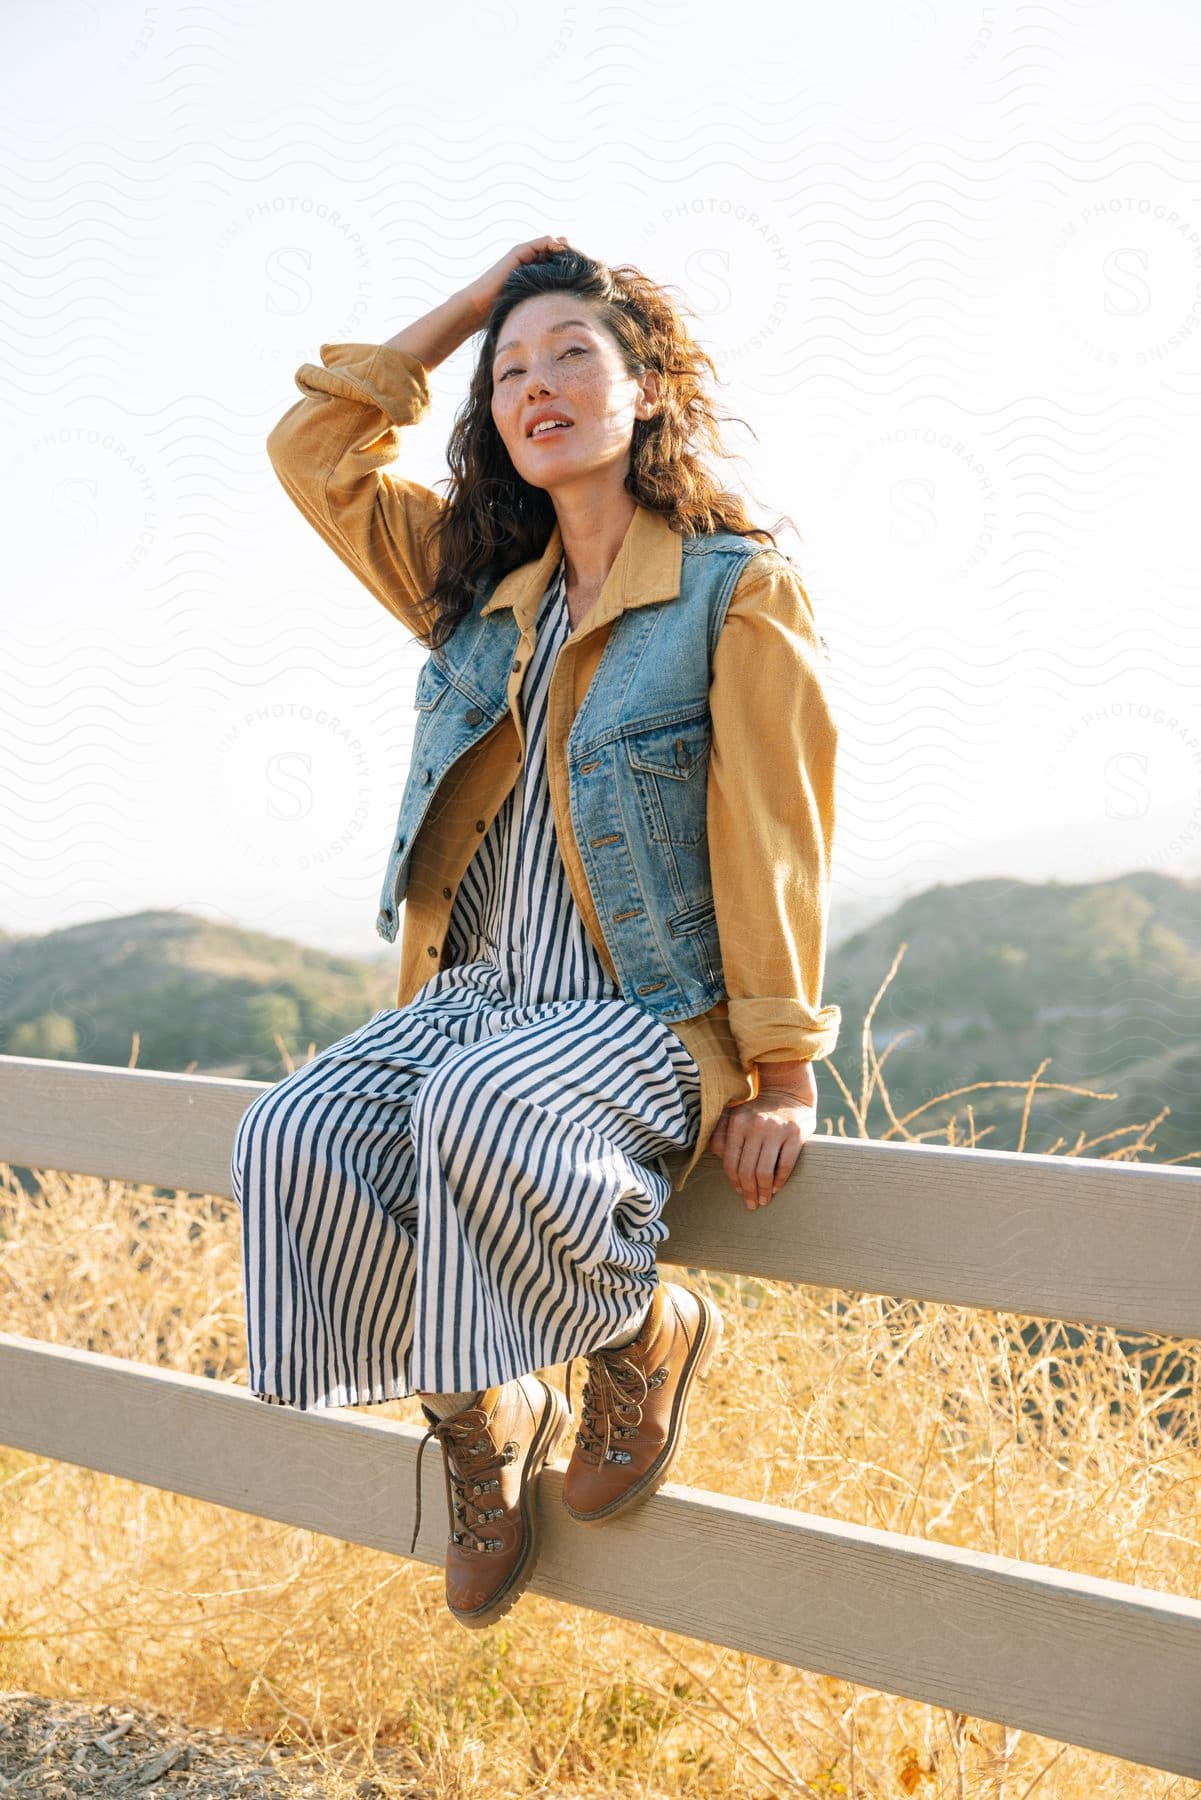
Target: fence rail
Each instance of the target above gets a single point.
(1102, 1664)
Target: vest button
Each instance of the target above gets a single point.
(474, 716)
(446, 893)
(517, 665)
(479, 825)
(433, 950)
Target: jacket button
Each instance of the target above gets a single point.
(433, 950)
(427, 777)
(400, 843)
(446, 893)
(474, 716)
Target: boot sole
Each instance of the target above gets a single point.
(703, 1350)
(552, 1426)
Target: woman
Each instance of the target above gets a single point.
(621, 718)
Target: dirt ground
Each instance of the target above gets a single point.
(57, 1749)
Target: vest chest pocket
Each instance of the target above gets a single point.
(670, 767)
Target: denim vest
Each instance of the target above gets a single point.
(638, 762)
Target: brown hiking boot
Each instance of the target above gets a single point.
(633, 1405)
(492, 1454)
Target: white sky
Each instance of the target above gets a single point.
(947, 259)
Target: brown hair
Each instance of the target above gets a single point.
(494, 521)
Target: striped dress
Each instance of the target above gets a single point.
(470, 1187)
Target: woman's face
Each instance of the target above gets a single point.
(555, 357)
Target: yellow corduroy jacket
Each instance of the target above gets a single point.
(770, 800)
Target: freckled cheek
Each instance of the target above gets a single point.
(507, 423)
(593, 404)
(617, 420)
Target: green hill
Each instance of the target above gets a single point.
(198, 995)
(1101, 981)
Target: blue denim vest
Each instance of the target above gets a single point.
(638, 762)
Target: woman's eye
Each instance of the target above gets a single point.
(515, 369)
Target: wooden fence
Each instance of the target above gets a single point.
(1098, 1663)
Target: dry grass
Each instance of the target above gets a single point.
(984, 1430)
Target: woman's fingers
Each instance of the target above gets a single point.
(759, 1152)
(482, 292)
(759, 1141)
(543, 246)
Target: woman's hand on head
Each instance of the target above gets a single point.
(482, 292)
(759, 1140)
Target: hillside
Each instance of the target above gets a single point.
(200, 995)
(1101, 981)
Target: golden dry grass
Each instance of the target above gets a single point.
(983, 1430)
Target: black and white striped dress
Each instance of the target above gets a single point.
(469, 1187)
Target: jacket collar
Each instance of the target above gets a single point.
(646, 568)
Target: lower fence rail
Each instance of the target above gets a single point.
(1085, 1660)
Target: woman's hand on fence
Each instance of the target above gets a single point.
(759, 1140)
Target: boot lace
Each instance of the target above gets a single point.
(472, 1460)
(615, 1385)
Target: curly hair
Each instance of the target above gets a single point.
(495, 521)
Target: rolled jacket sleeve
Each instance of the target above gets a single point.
(771, 816)
(331, 452)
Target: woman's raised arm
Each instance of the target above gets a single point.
(332, 449)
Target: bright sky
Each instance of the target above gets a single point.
(947, 259)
